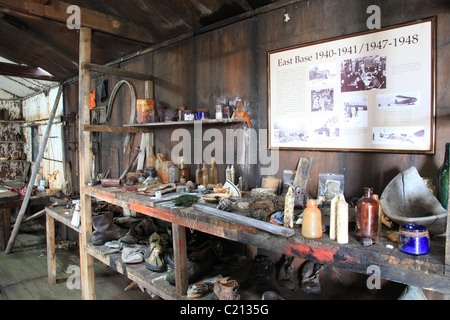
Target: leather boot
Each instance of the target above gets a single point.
(105, 229)
(143, 230)
(310, 277)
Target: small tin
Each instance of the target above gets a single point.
(202, 114)
(414, 239)
(110, 182)
(189, 115)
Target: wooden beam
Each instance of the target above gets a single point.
(116, 72)
(21, 71)
(57, 11)
(85, 161)
(106, 128)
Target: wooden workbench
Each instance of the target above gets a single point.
(13, 201)
(425, 271)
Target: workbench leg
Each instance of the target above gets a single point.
(180, 258)
(51, 259)
(5, 227)
(86, 260)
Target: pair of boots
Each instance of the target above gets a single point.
(308, 272)
(106, 230)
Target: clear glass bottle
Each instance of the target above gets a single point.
(312, 220)
(174, 175)
(442, 183)
(367, 231)
(183, 171)
(213, 172)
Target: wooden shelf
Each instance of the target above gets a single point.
(146, 127)
(186, 123)
(24, 161)
(12, 121)
(12, 141)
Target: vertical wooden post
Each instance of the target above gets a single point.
(447, 244)
(51, 259)
(180, 258)
(85, 160)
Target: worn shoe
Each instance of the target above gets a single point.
(196, 269)
(199, 289)
(226, 289)
(141, 231)
(105, 229)
(310, 277)
(133, 254)
(287, 278)
(153, 257)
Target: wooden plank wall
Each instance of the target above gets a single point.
(231, 62)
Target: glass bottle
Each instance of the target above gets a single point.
(380, 211)
(199, 176)
(312, 220)
(165, 172)
(151, 159)
(213, 172)
(367, 230)
(205, 176)
(174, 175)
(442, 183)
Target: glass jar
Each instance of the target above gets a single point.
(165, 172)
(367, 226)
(413, 239)
(219, 114)
(174, 176)
(312, 220)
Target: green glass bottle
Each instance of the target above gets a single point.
(442, 186)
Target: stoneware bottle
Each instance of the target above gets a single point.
(312, 220)
(342, 220)
(367, 218)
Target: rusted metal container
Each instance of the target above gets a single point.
(145, 110)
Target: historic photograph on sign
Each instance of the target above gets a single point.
(357, 92)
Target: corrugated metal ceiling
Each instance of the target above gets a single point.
(22, 88)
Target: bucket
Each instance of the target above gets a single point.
(145, 110)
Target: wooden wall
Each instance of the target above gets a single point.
(231, 62)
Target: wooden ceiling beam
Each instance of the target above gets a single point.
(57, 11)
(21, 71)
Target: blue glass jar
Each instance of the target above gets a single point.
(414, 239)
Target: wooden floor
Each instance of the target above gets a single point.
(23, 272)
